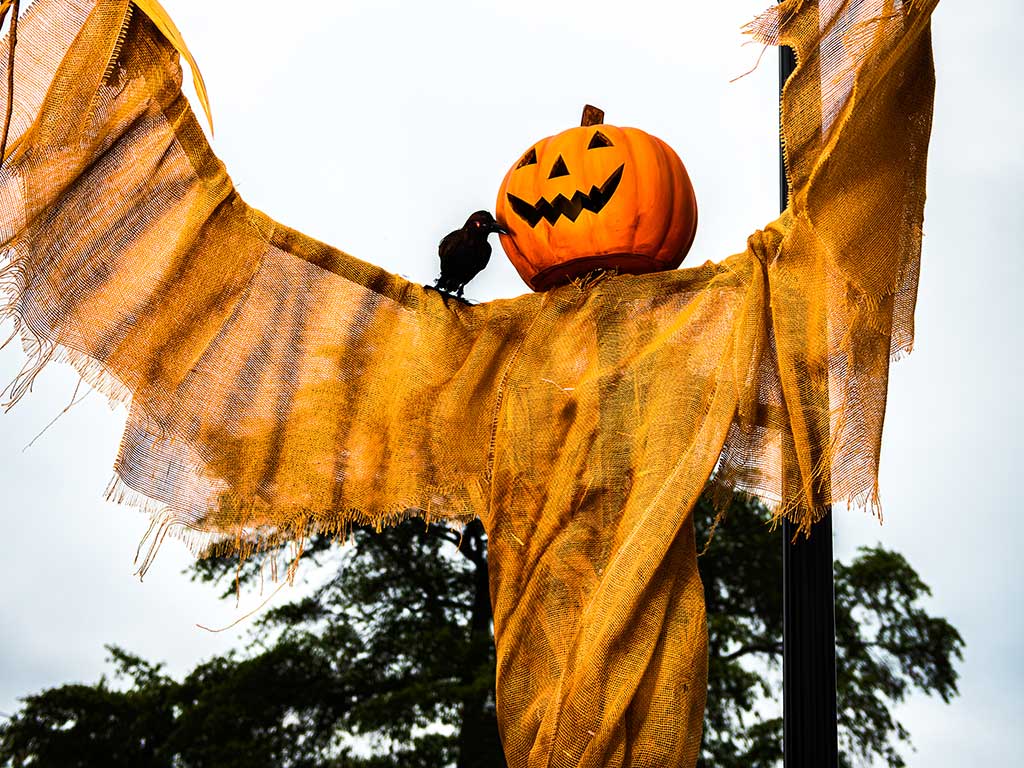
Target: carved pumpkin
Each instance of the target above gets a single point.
(595, 197)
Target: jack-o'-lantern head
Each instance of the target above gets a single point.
(595, 197)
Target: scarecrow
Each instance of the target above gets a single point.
(278, 386)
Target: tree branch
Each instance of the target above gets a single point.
(775, 648)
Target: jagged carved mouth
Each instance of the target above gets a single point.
(564, 206)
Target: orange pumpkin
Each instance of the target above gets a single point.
(595, 197)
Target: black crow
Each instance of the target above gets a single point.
(465, 252)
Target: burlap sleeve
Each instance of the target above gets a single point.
(841, 264)
(276, 385)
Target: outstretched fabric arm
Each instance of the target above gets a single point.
(276, 384)
(842, 262)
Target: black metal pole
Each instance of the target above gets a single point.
(810, 738)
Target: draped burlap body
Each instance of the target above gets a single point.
(278, 386)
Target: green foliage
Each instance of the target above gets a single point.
(390, 664)
(886, 646)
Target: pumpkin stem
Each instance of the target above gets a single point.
(592, 115)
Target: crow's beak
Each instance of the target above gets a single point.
(496, 227)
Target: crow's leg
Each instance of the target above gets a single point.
(444, 294)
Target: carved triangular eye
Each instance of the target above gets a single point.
(530, 158)
(558, 169)
(599, 140)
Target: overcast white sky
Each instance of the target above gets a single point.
(379, 125)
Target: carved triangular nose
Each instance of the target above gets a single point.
(558, 169)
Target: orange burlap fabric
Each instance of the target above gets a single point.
(278, 386)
